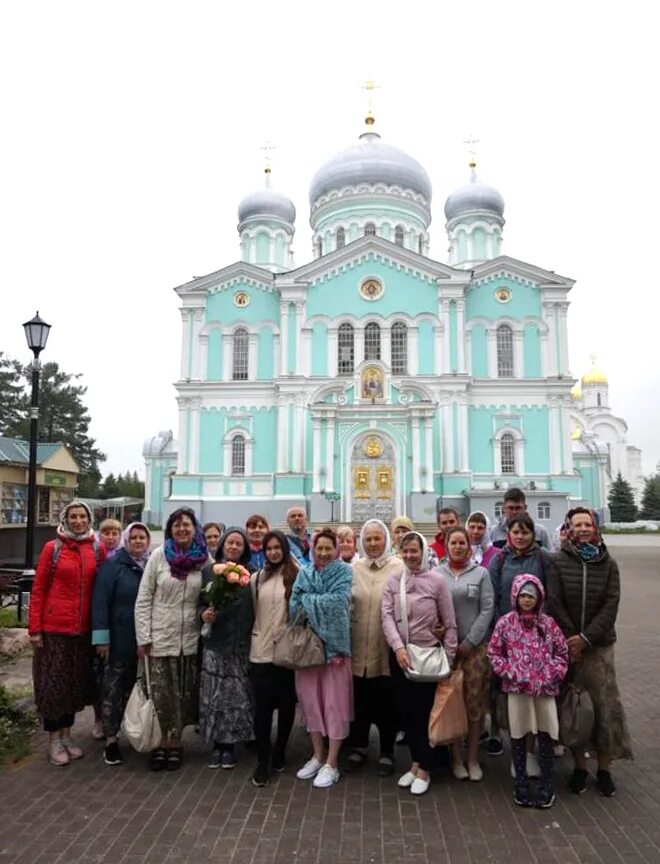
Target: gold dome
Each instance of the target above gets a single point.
(576, 434)
(594, 375)
(576, 391)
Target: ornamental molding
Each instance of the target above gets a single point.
(253, 327)
(369, 190)
(504, 266)
(240, 272)
(517, 324)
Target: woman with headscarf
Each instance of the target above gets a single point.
(583, 597)
(478, 529)
(113, 630)
(59, 622)
(373, 690)
(429, 611)
(322, 595)
(167, 629)
(274, 687)
(226, 710)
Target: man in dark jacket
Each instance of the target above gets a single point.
(515, 504)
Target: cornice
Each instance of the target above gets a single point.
(239, 271)
(503, 265)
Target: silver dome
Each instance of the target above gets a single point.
(370, 161)
(474, 196)
(266, 203)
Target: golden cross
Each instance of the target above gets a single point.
(593, 359)
(267, 148)
(370, 85)
(471, 141)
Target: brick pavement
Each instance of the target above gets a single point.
(88, 812)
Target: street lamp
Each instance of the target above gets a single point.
(36, 333)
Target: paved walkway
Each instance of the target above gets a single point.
(88, 812)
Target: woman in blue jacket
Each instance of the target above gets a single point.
(113, 629)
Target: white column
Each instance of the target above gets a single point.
(182, 404)
(447, 439)
(460, 334)
(316, 454)
(386, 345)
(203, 350)
(545, 353)
(491, 345)
(439, 350)
(518, 359)
(330, 454)
(196, 368)
(463, 435)
(413, 350)
(332, 353)
(549, 317)
(358, 337)
(195, 406)
(306, 352)
(428, 444)
(284, 337)
(226, 344)
(282, 448)
(276, 355)
(298, 440)
(562, 323)
(446, 334)
(300, 311)
(468, 352)
(565, 426)
(252, 356)
(186, 323)
(415, 453)
(554, 432)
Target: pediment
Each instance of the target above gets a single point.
(239, 271)
(504, 265)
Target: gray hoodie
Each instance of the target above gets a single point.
(472, 595)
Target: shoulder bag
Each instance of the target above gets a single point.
(576, 712)
(140, 724)
(429, 665)
(298, 647)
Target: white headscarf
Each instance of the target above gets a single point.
(478, 549)
(388, 540)
(425, 552)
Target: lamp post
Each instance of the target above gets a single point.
(36, 333)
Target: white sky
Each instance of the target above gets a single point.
(132, 129)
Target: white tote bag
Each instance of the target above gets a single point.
(140, 724)
(429, 665)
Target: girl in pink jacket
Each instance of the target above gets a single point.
(529, 654)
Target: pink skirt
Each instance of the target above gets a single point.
(325, 694)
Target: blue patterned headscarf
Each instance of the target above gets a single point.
(182, 561)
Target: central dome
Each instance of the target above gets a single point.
(370, 161)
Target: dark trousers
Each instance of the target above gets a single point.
(118, 681)
(415, 701)
(546, 763)
(274, 689)
(54, 724)
(374, 702)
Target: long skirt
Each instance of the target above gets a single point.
(226, 705)
(476, 684)
(595, 672)
(118, 681)
(532, 714)
(174, 690)
(325, 695)
(63, 678)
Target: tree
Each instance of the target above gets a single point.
(621, 501)
(63, 418)
(13, 398)
(111, 487)
(651, 498)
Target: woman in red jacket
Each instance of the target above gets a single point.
(59, 627)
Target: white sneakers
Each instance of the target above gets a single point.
(411, 781)
(310, 769)
(406, 780)
(459, 771)
(474, 772)
(327, 776)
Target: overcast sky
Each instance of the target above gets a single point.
(132, 129)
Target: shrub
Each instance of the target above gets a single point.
(15, 729)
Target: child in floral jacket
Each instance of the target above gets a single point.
(529, 654)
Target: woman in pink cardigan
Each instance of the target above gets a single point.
(430, 613)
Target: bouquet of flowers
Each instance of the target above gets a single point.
(223, 588)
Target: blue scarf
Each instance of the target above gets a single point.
(182, 561)
(325, 598)
(587, 551)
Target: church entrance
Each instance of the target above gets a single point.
(372, 478)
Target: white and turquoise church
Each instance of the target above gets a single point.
(375, 380)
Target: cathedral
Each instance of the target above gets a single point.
(374, 380)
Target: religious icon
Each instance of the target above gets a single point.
(361, 482)
(371, 289)
(372, 383)
(373, 447)
(503, 295)
(241, 299)
(385, 483)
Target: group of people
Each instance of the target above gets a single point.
(518, 620)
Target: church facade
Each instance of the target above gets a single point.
(374, 380)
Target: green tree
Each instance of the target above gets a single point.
(621, 501)
(111, 487)
(13, 398)
(651, 498)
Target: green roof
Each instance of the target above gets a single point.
(16, 451)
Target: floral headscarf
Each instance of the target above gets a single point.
(63, 529)
(592, 549)
(126, 536)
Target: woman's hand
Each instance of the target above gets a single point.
(402, 659)
(37, 641)
(103, 650)
(209, 615)
(337, 661)
(575, 648)
(439, 631)
(144, 651)
(463, 651)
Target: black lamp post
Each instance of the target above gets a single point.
(36, 333)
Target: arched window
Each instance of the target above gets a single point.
(319, 247)
(345, 350)
(369, 229)
(543, 510)
(598, 400)
(398, 235)
(499, 510)
(508, 453)
(504, 351)
(399, 348)
(341, 238)
(372, 341)
(238, 455)
(420, 245)
(240, 355)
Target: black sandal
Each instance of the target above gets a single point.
(158, 759)
(174, 758)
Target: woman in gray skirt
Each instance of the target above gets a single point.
(583, 597)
